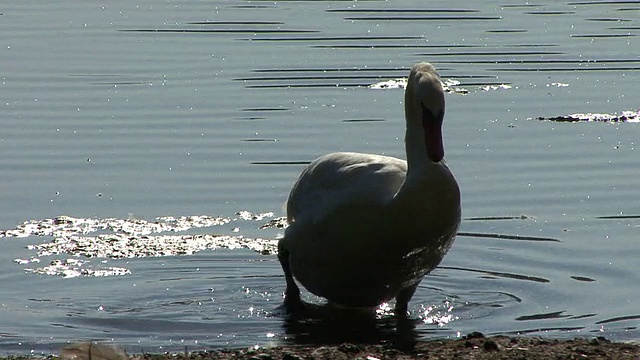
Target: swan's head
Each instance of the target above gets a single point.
(424, 107)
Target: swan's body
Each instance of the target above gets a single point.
(363, 228)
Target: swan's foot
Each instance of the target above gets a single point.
(402, 300)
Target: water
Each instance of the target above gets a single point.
(140, 110)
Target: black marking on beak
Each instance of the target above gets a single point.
(429, 117)
(431, 125)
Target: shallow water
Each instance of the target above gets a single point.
(141, 110)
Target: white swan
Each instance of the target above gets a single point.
(363, 228)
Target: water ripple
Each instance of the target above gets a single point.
(499, 274)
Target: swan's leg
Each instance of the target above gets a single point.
(402, 299)
(292, 293)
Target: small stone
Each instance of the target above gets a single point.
(474, 335)
(490, 345)
(290, 356)
(349, 348)
(393, 353)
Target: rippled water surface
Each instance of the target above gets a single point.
(125, 112)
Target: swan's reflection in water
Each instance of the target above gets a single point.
(326, 325)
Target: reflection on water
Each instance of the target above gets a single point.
(326, 324)
(624, 116)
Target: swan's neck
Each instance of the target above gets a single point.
(415, 147)
(414, 141)
(424, 176)
(429, 194)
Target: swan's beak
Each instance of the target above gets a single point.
(432, 127)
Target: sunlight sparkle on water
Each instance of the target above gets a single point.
(440, 315)
(112, 238)
(384, 309)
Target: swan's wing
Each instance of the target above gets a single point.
(336, 180)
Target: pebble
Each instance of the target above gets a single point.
(490, 345)
(290, 356)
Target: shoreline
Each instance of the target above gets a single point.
(472, 346)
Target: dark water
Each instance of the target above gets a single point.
(140, 110)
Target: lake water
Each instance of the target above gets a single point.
(120, 111)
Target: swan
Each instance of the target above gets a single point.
(364, 229)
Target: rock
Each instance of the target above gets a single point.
(290, 356)
(490, 345)
(349, 348)
(474, 335)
